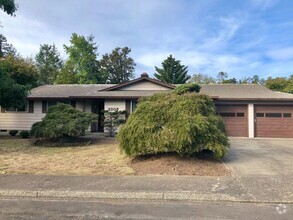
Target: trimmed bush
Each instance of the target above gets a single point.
(188, 87)
(63, 120)
(24, 134)
(13, 132)
(112, 120)
(169, 122)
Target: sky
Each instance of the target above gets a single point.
(242, 38)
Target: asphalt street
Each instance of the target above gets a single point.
(12, 208)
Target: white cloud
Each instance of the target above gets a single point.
(26, 34)
(263, 4)
(281, 54)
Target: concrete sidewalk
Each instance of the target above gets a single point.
(261, 189)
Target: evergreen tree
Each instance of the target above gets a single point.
(48, 63)
(6, 48)
(172, 71)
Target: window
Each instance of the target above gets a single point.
(133, 105)
(287, 115)
(48, 104)
(260, 115)
(273, 115)
(227, 114)
(240, 114)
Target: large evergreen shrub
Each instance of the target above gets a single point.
(169, 122)
(62, 120)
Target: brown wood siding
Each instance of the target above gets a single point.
(237, 125)
(274, 122)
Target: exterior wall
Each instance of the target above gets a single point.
(144, 85)
(21, 120)
(116, 104)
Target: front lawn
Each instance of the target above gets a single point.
(19, 156)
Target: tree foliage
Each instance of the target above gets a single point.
(82, 66)
(62, 120)
(168, 122)
(222, 76)
(202, 79)
(17, 77)
(6, 48)
(118, 67)
(277, 84)
(112, 120)
(8, 6)
(48, 63)
(172, 71)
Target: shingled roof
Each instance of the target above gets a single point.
(243, 92)
(65, 91)
(219, 91)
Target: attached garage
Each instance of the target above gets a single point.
(274, 121)
(235, 119)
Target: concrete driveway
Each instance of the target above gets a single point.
(261, 156)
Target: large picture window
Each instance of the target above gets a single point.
(47, 104)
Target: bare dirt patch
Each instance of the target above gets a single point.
(102, 157)
(173, 164)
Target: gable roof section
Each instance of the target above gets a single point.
(143, 77)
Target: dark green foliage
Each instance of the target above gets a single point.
(172, 71)
(17, 77)
(62, 120)
(168, 122)
(6, 48)
(190, 87)
(24, 134)
(118, 67)
(8, 6)
(13, 132)
(48, 63)
(112, 119)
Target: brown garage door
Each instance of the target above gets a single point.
(235, 119)
(274, 121)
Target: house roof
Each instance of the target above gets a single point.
(65, 91)
(143, 77)
(243, 92)
(218, 91)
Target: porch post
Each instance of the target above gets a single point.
(250, 120)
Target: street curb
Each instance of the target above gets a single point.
(175, 196)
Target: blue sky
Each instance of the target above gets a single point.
(242, 38)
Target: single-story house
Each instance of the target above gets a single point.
(247, 110)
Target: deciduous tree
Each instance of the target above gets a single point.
(82, 65)
(118, 67)
(200, 78)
